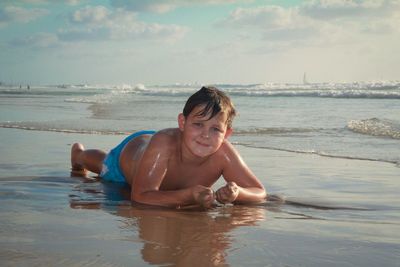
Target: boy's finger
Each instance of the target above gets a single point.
(231, 189)
(221, 197)
(225, 191)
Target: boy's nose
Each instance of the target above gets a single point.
(205, 133)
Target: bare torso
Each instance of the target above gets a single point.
(178, 174)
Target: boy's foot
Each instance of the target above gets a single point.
(76, 150)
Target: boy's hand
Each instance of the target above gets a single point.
(204, 196)
(227, 193)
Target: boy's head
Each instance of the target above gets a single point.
(213, 101)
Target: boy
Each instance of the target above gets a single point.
(176, 167)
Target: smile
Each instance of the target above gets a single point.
(201, 144)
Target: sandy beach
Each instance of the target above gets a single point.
(50, 218)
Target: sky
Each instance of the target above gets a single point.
(198, 41)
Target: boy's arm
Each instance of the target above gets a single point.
(242, 185)
(150, 174)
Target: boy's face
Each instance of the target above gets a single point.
(201, 135)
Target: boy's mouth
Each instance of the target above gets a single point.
(202, 144)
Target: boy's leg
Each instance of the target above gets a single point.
(89, 159)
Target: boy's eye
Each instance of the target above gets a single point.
(217, 129)
(197, 124)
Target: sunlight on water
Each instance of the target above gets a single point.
(330, 152)
(98, 216)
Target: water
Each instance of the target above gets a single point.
(330, 150)
(356, 120)
(59, 221)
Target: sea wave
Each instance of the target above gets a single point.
(375, 90)
(42, 127)
(53, 127)
(319, 153)
(375, 127)
(326, 93)
(97, 99)
(274, 130)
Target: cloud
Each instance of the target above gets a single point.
(90, 15)
(161, 6)
(9, 14)
(100, 24)
(41, 2)
(39, 40)
(344, 21)
(86, 34)
(270, 17)
(73, 2)
(290, 34)
(377, 17)
(274, 23)
(146, 6)
(340, 9)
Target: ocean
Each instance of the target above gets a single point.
(332, 150)
(351, 120)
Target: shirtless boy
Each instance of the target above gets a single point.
(176, 167)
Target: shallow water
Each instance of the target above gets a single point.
(70, 221)
(344, 120)
(331, 153)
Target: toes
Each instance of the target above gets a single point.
(76, 150)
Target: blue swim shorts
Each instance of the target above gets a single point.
(111, 170)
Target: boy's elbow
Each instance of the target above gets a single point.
(142, 197)
(137, 196)
(262, 194)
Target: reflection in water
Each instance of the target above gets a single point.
(188, 238)
(170, 237)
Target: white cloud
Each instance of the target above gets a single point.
(147, 6)
(90, 15)
(382, 27)
(40, 40)
(10, 14)
(274, 24)
(83, 34)
(267, 17)
(289, 34)
(41, 2)
(161, 6)
(348, 21)
(98, 23)
(73, 2)
(378, 17)
(341, 9)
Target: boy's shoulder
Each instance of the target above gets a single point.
(226, 153)
(166, 138)
(226, 147)
(169, 134)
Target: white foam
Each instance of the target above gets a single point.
(375, 127)
(47, 128)
(273, 130)
(372, 89)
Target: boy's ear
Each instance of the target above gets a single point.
(181, 121)
(228, 133)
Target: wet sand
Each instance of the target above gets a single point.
(338, 213)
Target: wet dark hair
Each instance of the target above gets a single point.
(214, 102)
